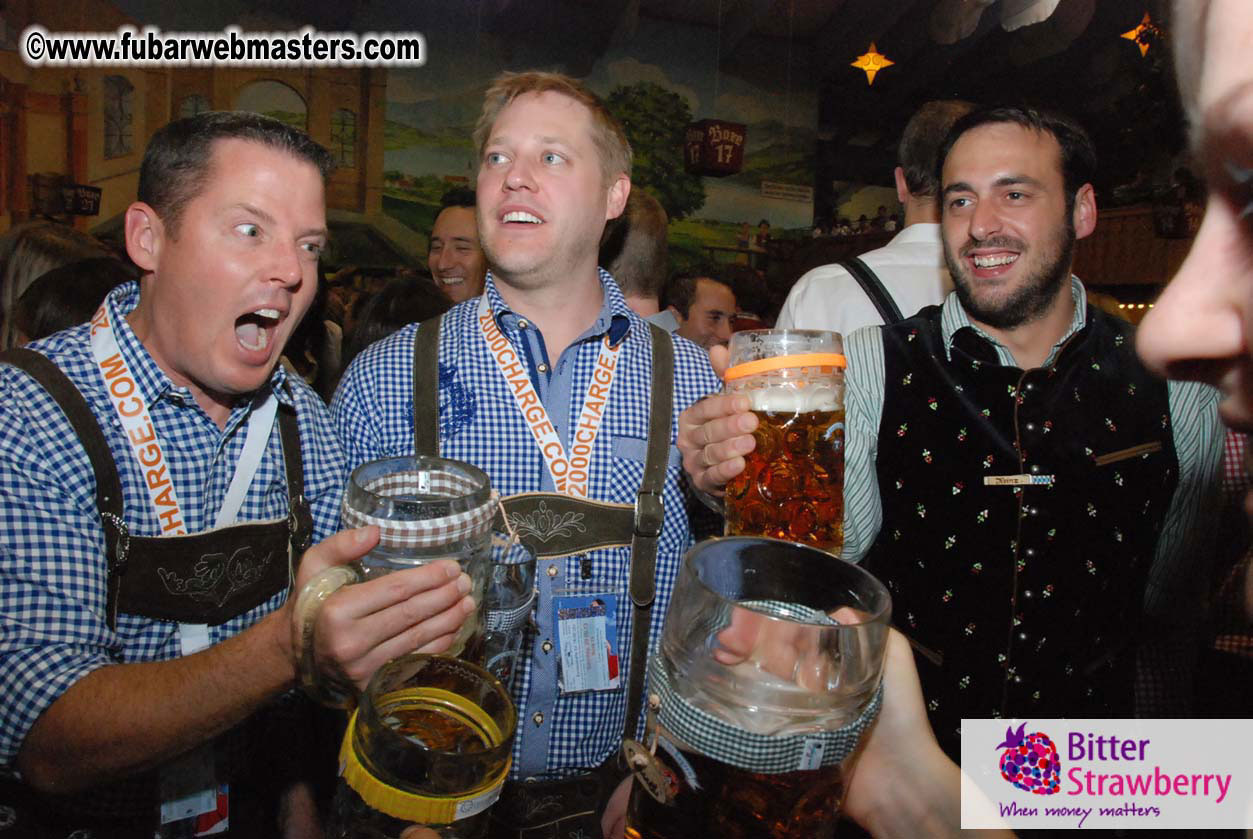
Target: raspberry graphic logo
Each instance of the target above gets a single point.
(1030, 762)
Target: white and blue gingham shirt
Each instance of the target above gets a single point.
(53, 629)
(480, 423)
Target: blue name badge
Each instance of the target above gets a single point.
(587, 642)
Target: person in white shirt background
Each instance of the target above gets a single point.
(910, 266)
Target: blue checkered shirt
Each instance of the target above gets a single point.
(52, 549)
(480, 423)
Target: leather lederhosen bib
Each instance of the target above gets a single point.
(608, 525)
(203, 578)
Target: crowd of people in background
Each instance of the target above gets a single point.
(844, 227)
(54, 275)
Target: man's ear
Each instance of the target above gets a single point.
(902, 190)
(677, 314)
(145, 233)
(618, 192)
(1084, 213)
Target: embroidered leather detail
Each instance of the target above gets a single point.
(540, 805)
(217, 577)
(544, 525)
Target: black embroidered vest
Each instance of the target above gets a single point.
(1027, 599)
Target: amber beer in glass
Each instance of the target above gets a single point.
(792, 486)
(429, 744)
(738, 804)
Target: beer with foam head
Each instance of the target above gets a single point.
(792, 486)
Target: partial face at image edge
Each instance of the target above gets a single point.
(1201, 327)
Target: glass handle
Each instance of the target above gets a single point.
(308, 603)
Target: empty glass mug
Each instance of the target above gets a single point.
(768, 676)
(426, 509)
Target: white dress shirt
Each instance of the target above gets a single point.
(911, 268)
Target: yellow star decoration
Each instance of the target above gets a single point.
(1146, 27)
(872, 62)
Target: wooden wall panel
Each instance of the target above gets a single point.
(1125, 250)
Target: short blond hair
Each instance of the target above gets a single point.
(607, 134)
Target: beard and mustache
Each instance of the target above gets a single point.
(1032, 299)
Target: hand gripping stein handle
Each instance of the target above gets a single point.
(420, 533)
(308, 604)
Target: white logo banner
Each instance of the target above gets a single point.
(1097, 774)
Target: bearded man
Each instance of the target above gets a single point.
(1024, 486)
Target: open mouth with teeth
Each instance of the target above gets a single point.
(452, 280)
(255, 330)
(994, 260)
(520, 217)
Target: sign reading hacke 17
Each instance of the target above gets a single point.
(713, 147)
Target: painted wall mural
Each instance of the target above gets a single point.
(657, 82)
(657, 76)
(274, 99)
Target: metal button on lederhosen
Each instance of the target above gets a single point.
(205, 578)
(575, 803)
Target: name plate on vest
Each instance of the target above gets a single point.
(1017, 480)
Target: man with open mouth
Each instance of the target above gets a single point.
(162, 480)
(553, 386)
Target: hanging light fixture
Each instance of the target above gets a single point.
(1142, 34)
(872, 61)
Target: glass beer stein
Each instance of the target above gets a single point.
(768, 675)
(426, 509)
(792, 486)
(508, 601)
(429, 744)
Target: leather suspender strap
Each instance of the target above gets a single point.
(873, 286)
(108, 484)
(299, 515)
(426, 387)
(649, 514)
(109, 501)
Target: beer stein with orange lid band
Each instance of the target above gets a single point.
(792, 486)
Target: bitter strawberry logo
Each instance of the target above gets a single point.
(1030, 762)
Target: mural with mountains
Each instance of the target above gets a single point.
(776, 152)
(430, 118)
